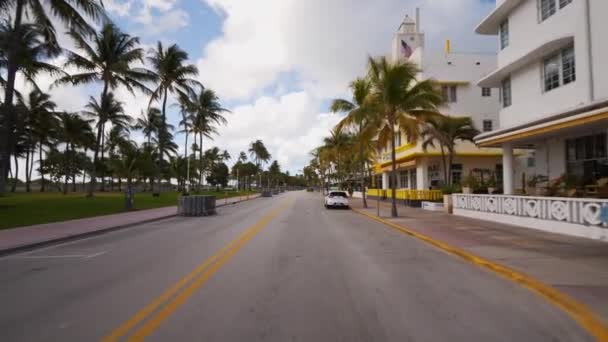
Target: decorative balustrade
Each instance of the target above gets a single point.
(584, 211)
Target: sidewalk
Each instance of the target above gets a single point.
(576, 267)
(16, 239)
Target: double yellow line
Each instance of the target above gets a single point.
(179, 293)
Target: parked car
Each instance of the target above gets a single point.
(336, 199)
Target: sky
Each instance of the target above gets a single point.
(277, 64)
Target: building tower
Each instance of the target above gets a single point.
(408, 38)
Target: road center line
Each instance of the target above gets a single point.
(204, 270)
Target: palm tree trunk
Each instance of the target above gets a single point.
(161, 142)
(27, 168)
(393, 172)
(450, 163)
(6, 132)
(446, 177)
(187, 159)
(93, 175)
(103, 145)
(42, 187)
(200, 153)
(31, 170)
(16, 175)
(362, 178)
(65, 182)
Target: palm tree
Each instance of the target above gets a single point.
(357, 117)
(207, 113)
(337, 147)
(187, 108)
(42, 123)
(72, 14)
(400, 102)
(149, 123)
(116, 136)
(242, 157)
(173, 76)
(446, 131)
(259, 153)
(109, 59)
(128, 164)
(74, 132)
(108, 109)
(31, 53)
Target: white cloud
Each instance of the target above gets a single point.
(325, 45)
(290, 126)
(120, 8)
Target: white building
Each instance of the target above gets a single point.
(458, 74)
(553, 78)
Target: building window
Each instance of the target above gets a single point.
(487, 125)
(546, 8)
(551, 72)
(413, 179)
(456, 173)
(506, 93)
(449, 93)
(559, 69)
(568, 65)
(504, 34)
(564, 3)
(404, 178)
(486, 92)
(587, 158)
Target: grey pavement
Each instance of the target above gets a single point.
(575, 266)
(30, 236)
(309, 275)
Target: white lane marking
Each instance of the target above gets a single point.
(95, 255)
(78, 256)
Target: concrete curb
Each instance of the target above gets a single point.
(577, 311)
(75, 237)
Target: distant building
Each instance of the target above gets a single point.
(458, 74)
(552, 75)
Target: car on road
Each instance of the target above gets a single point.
(336, 199)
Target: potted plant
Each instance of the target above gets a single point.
(468, 184)
(534, 183)
(491, 185)
(572, 184)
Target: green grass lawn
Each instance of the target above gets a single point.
(24, 209)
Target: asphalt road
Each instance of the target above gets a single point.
(292, 271)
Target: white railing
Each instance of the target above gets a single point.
(583, 211)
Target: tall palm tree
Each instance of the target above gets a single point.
(107, 109)
(400, 102)
(116, 136)
(338, 146)
(42, 123)
(173, 75)
(28, 46)
(109, 58)
(208, 112)
(73, 14)
(74, 132)
(187, 108)
(357, 117)
(149, 123)
(259, 153)
(446, 131)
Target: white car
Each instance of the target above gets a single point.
(336, 199)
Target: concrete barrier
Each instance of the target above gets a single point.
(196, 205)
